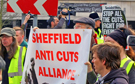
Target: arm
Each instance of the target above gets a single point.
(60, 24)
(91, 76)
(25, 21)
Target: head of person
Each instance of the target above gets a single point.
(106, 56)
(85, 23)
(119, 37)
(96, 18)
(19, 34)
(8, 42)
(53, 21)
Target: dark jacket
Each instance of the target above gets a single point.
(60, 24)
(131, 75)
(118, 76)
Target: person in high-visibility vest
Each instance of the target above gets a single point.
(13, 55)
(119, 37)
(97, 29)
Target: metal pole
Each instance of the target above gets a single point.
(35, 21)
(125, 16)
(124, 11)
(23, 17)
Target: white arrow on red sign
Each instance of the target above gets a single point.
(42, 7)
(39, 6)
(14, 6)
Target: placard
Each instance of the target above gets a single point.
(112, 18)
(57, 56)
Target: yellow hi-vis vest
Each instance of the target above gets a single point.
(16, 66)
(99, 39)
(127, 64)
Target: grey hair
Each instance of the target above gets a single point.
(89, 26)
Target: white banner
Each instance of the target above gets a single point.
(57, 56)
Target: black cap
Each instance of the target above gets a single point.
(94, 16)
(120, 35)
(85, 20)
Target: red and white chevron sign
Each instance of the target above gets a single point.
(40, 7)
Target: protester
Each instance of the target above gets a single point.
(97, 29)
(55, 23)
(106, 60)
(119, 37)
(20, 32)
(13, 55)
(86, 23)
(20, 37)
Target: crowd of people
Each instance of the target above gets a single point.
(109, 62)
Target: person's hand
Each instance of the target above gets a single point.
(34, 29)
(89, 66)
(26, 19)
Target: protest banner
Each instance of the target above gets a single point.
(112, 18)
(57, 56)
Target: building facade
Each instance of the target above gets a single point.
(128, 6)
